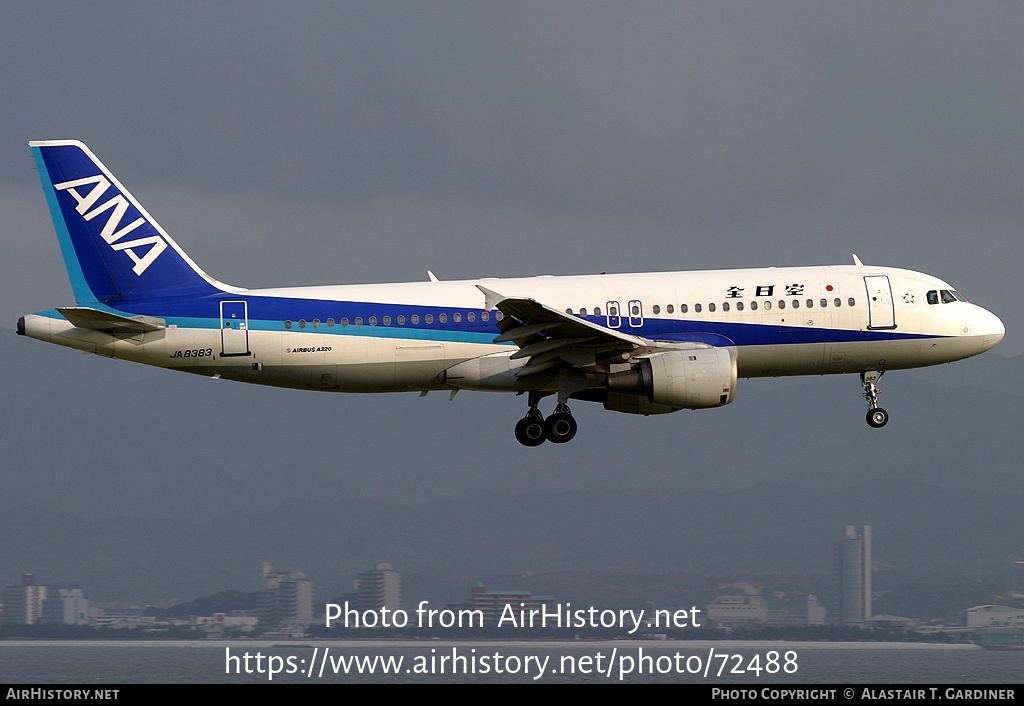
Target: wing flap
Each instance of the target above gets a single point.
(548, 338)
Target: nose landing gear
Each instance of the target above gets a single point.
(876, 416)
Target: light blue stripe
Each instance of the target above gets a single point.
(339, 330)
(83, 294)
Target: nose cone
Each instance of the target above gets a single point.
(991, 329)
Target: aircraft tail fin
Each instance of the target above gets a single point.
(113, 249)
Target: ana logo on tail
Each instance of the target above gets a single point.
(113, 231)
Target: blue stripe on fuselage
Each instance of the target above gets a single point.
(270, 314)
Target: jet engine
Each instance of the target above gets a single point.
(666, 382)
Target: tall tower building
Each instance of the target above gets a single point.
(851, 567)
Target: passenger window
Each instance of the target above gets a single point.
(401, 320)
(302, 323)
(670, 309)
(753, 306)
(824, 303)
(415, 318)
(344, 321)
(569, 311)
(851, 301)
(485, 316)
(498, 316)
(457, 317)
(597, 311)
(767, 306)
(373, 321)
(796, 303)
(330, 323)
(429, 318)
(316, 323)
(782, 304)
(656, 309)
(442, 318)
(683, 308)
(810, 303)
(711, 306)
(288, 324)
(359, 321)
(696, 308)
(838, 302)
(583, 311)
(739, 306)
(387, 320)
(471, 316)
(725, 306)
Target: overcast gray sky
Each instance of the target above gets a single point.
(336, 142)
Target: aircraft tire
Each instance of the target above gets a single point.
(561, 427)
(531, 430)
(877, 418)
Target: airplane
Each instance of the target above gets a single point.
(646, 343)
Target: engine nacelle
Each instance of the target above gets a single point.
(691, 379)
(634, 404)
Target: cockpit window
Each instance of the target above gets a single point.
(933, 297)
(947, 296)
(957, 295)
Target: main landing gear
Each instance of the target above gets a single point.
(877, 417)
(534, 429)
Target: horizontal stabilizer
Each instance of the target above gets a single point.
(85, 317)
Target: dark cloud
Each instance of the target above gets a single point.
(681, 113)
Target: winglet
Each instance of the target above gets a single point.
(491, 298)
(856, 261)
(432, 276)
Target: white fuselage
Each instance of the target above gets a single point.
(362, 338)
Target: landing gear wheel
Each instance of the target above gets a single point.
(531, 430)
(561, 427)
(877, 417)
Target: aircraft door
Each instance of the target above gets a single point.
(636, 313)
(881, 309)
(614, 318)
(234, 328)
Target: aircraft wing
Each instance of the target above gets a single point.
(549, 337)
(105, 321)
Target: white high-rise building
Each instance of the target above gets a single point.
(380, 587)
(23, 604)
(66, 606)
(286, 600)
